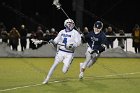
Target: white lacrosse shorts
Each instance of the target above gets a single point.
(65, 57)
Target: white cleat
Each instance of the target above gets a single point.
(45, 81)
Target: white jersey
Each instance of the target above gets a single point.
(63, 38)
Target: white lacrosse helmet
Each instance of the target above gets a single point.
(69, 24)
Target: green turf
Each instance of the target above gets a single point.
(108, 75)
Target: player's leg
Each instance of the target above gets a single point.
(67, 62)
(50, 72)
(93, 59)
(58, 59)
(84, 65)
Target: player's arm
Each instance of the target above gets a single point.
(83, 38)
(58, 38)
(103, 44)
(77, 40)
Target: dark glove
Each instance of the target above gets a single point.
(95, 51)
(83, 39)
(102, 48)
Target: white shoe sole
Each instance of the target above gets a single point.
(44, 82)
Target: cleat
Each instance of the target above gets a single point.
(45, 81)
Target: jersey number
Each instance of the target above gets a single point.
(65, 41)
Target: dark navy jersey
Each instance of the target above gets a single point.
(95, 40)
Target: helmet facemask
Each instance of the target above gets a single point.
(69, 24)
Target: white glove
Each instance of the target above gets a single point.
(70, 46)
(52, 42)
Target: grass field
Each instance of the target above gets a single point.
(108, 75)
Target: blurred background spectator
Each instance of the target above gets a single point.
(4, 35)
(23, 37)
(53, 33)
(31, 44)
(14, 38)
(121, 40)
(47, 36)
(85, 31)
(2, 27)
(136, 38)
(39, 35)
(110, 40)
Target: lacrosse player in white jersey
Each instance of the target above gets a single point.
(66, 41)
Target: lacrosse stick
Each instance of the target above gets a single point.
(51, 42)
(58, 6)
(36, 41)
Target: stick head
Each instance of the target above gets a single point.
(57, 4)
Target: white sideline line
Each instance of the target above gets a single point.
(120, 74)
(20, 87)
(62, 81)
(26, 86)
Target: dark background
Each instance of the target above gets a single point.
(121, 14)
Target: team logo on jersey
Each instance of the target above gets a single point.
(94, 38)
(66, 35)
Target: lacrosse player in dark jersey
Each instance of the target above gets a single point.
(96, 41)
